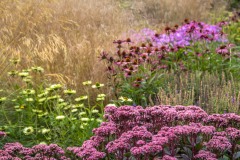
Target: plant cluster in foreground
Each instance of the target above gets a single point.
(163, 132)
(158, 132)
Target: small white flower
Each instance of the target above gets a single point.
(82, 113)
(74, 110)
(97, 85)
(69, 91)
(100, 99)
(28, 130)
(60, 117)
(110, 105)
(73, 119)
(99, 120)
(95, 111)
(29, 99)
(45, 130)
(81, 98)
(85, 119)
(125, 99)
(101, 95)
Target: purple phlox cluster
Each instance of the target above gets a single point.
(180, 35)
(205, 155)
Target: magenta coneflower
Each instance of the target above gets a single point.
(223, 50)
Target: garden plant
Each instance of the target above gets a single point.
(77, 86)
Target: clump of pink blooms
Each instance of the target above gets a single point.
(134, 133)
(16, 151)
(154, 50)
(162, 132)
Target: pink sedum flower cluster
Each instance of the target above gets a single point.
(162, 132)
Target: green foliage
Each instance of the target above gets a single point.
(44, 113)
(233, 31)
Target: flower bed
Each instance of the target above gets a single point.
(159, 132)
(163, 132)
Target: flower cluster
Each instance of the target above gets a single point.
(167, 132)
(185, 35)
(138, 63)
(150, 48)
(18, 151)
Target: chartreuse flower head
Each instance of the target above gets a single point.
(69, 91)
(101, 97)
(54, 87)
(15, 61)
(81, 98)
(95, 111)
(28, 130)
(87, 83)
(28, 92)
(45, 130)
(60, 117)
(125, 99)
(12, 73)
(97, 85)
(23, 74)
(2, 99)
(38, 69)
